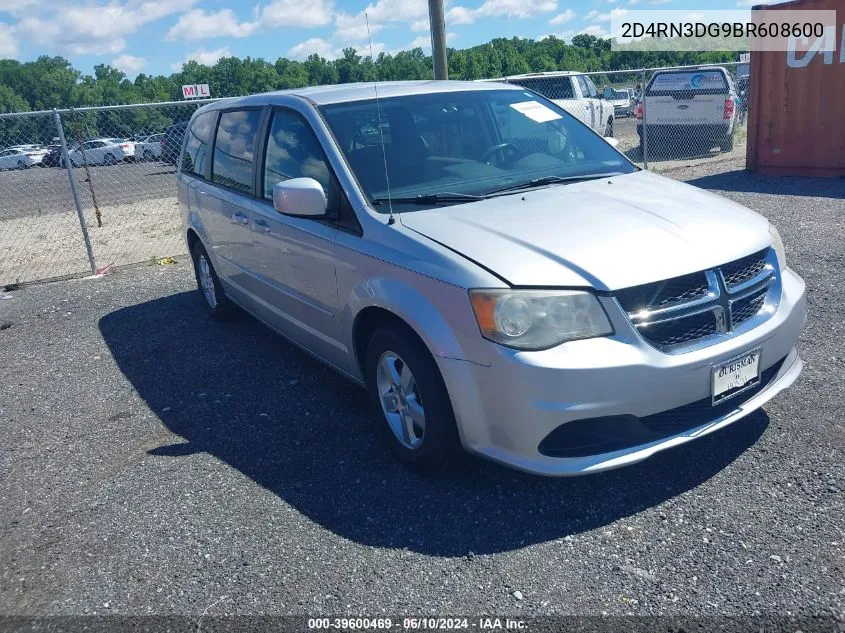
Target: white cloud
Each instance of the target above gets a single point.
(633, 1)
(203, 56)
(563, 18)
(8, 43)
(129, 64)
(296, 13)
(591, 15)
(17, 7)
(424, 42)
(322, 47)
(201, 25)
(349, 27)
(595, 29)
(500, 8)
(96, 28)
(604, 17)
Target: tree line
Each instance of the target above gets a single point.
(52, 82)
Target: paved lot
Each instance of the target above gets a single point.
(153, 461)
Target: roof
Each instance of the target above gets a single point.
(342, 93)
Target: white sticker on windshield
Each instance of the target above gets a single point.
(535, 111)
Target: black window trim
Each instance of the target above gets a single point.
(261, 122)
(329, 219)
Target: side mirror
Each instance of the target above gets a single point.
(613, 142)
(299, 196)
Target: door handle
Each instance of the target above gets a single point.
(262, 224)
(240, 218)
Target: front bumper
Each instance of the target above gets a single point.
(505, 411)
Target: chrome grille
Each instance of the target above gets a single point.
(690, 311)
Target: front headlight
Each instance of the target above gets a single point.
(538, 319)
(777, 244)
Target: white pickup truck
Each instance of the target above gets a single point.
(573, 92)
(690, 108)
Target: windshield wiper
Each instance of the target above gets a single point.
(430, 198)
(551, 180)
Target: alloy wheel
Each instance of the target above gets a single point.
(206, 280)
(400, 400)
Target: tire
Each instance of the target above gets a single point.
(727, 143)
(109, 160)
(148, 156)
(608, 130)
(21, 165)
(435, 446)
(208, 285)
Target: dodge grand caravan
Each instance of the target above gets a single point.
(499, 277)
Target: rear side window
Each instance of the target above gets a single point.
(234, 149)
(195, 159)
(688, 83)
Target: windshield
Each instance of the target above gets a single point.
(473, 142)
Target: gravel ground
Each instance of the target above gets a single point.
(153, 461)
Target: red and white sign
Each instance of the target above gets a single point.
(195, 91)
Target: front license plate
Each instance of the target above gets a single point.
(735, 376)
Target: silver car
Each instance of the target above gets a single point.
(499, 277)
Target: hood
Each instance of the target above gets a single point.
(609, 234)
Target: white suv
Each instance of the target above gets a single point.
(575, 93)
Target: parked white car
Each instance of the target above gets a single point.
(622, 100)
(102, 151)
(148, 149)
(17, 158)
(574, 92)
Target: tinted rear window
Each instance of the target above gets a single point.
(691, 82)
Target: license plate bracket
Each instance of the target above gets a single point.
(734, 376)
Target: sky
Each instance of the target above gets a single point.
(157, 36)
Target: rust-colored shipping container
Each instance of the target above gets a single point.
(796, 118)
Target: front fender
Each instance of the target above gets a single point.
(439, 313)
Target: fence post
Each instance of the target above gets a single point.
(645, 127)
(69, 167)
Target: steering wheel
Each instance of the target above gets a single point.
(503, 149)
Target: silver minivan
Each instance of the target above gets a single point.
(499, 277)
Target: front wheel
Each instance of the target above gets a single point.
(608, 130)
(110, 159)
(148, 156)
(409, 398)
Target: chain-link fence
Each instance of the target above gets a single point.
(84, 189)
(661, 117)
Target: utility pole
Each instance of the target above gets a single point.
(438, 39)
